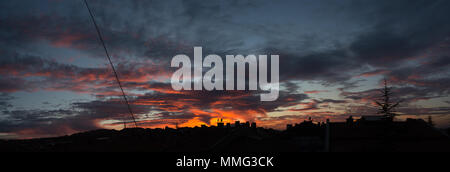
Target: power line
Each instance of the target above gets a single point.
(110, 62)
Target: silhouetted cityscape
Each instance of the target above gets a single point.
(366, 134)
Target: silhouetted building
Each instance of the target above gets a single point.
(253, 125)
(237, 124)
(220, 123)
(430, 121)
(380, 133)
(372, 118)
(246, 125)
(350, 121)
(288, 126)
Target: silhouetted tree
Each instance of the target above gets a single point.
(386, 106)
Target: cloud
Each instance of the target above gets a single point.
(399, 35)
(11, 84)
(40, 123)
(5, 99)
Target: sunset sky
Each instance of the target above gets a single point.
(334, 54)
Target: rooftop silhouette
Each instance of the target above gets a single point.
(366, 134)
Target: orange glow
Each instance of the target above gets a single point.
(214, 121)
(194, 122)
(67, 40)
(373, 73)
(315, 91)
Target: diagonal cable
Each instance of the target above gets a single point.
(110, 62)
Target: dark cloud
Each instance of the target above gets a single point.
(11, 84)
(41, 123)
(333, 101)
(399, 35)
(326, 66)
(5, 99)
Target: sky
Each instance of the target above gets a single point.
(334, 55)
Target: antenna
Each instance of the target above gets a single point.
(112, 65)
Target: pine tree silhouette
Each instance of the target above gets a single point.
(386, 106)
